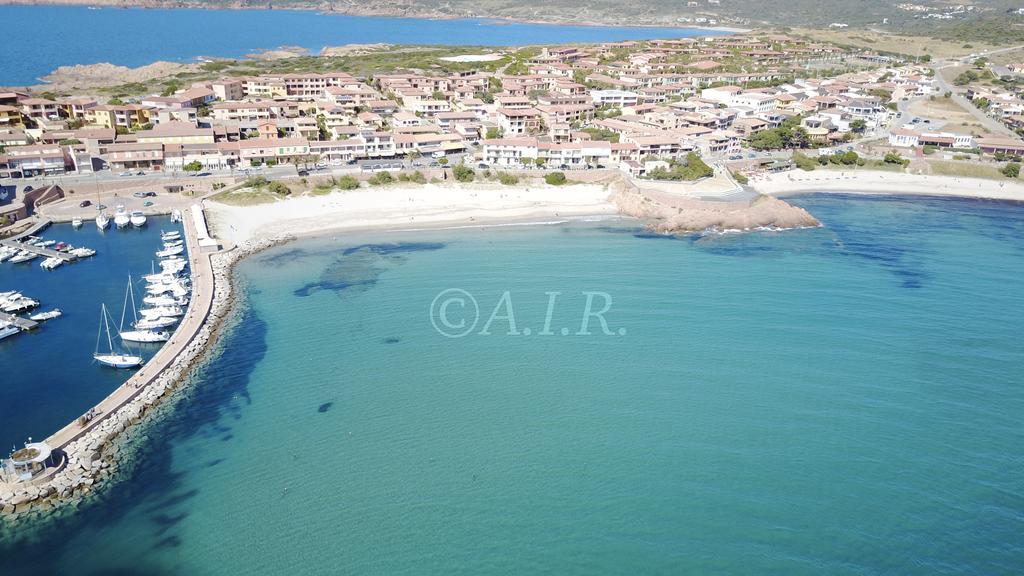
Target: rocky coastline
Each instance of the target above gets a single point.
(668, 214)
(93, 458)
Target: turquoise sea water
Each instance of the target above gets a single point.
(843, 400)
(134, 37)
(48, 376)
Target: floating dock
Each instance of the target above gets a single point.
(23, 323)
(14, 242)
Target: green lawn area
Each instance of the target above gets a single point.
(245, 197)
(966, 169)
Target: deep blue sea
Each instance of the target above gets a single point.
(134, 37)
(48, 375)
(844, 400)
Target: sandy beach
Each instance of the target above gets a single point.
(412, 206)
(885, 183)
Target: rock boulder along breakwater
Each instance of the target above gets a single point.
(90, 457)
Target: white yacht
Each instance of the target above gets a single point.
(41, 316)
(158, 301)
(23, 256)
(82, 252)
(112, 358)
(172, 235)
(175, 215)
(76, 223)
(137, 218)
(18, 304)
(50, 263)
(168, 252)
(102, 222)
(121, 217)
(155, 323)
(169, 311)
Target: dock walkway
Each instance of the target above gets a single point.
(46, 252)
(23, 323)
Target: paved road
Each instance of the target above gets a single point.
(989, 123)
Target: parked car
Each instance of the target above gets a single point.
(303, 173)
(84, 203)
(482, 166)
(150, 194)
(140, 173)
(139, 194)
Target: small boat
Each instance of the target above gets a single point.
(170, 252)
(23, 256)
(175, 215)
(145, 336)
(7, 252)
(173, 244)
(113, 358)
(45, 243)
(155, 323)
(102, 222)
(137, 218)
(121, 217)
(18, 305)
(42, 316)
(50, 263)
(163, 300)
(167, 311)
(8, 329)
(168, 236)
(76, 223)
(62, 247)
(82, 252)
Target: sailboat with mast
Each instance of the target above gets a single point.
(112, 358)
(144, 335)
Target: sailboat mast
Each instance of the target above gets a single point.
(110, 342)
(99, 331)
(124, 307)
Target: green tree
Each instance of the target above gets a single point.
(858, 125)
(556, 178)
(493, 133)
(442, 161)
(193, 166)
(463, 173)
(1011, 170)
(347, 183)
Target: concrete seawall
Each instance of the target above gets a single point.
(84, 445)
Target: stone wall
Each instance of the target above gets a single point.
(94, 457)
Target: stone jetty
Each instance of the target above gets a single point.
(87, 450)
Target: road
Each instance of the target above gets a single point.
(989, 123)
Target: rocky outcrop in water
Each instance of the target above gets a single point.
(667, 214)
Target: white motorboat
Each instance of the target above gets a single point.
(46, 243)
(170, 252)
(173, 235)
(175, 215)
(172, 244)
(76, 223)
(41, 316)
(102, 222)
(112, 358)
(23, 256)
(137, 218)
(155, 323)
(159, 301)
(6, 252)
(168, 311)
(82, 252)
(145, 336)
(50, 263)
(121, 217)
(18, 305)
(8, 329)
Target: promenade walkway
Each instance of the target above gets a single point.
(198, 309)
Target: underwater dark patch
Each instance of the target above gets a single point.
(325, 407)
(359, 267)
(391, 340)
(397, 248)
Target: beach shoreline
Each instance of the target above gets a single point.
(880, 183)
